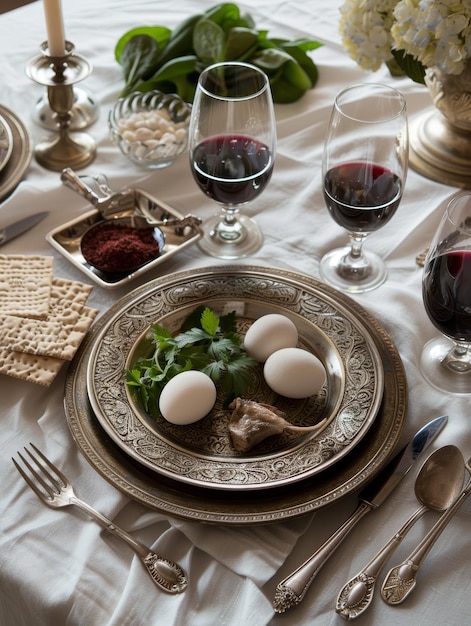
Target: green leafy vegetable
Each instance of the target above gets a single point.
(241, 43)
(160, 34)
(222, 33)
(209, 42)
(410, 66)
(137, 55)
(207, 343)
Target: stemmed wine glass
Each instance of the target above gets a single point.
(446, 288)
(364, 170)
(232, 145)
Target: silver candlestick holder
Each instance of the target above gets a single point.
(85, 111)
(59, 74)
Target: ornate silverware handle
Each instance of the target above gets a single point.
(166, 574)
(95, 190)
(356, 596)
(56, 491)
(401, 580)
(290, 591)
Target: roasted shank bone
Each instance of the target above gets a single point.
(251, 422)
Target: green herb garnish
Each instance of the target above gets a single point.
(154, 57)
(207, 343)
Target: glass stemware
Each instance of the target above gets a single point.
(364, 169)
(232, 145)
(446, 288)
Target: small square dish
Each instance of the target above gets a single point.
(67, 239)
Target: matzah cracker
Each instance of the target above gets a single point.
(25, 285)
(60, 334)
(67, 297)
(32, 368)
(55, 337)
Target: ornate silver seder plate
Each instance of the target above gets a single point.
(201, 454)
(243, 507)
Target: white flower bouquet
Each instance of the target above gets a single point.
(411, 35)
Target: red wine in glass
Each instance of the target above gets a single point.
(445, 360)
(446, 289)
(232, 169)
(362, 197)
(232, 148)
(364, 169)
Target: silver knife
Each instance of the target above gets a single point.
(290, 591)
(17, 228)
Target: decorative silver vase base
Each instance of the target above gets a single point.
(439, 150)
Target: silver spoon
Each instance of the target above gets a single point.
(401, 580)
(436, 487)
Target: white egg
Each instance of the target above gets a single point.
(187, 397)
(268, 334)
(294, 373)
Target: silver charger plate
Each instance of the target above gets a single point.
(201, 454)
(22, 151)
(240, 508)
(6, 142)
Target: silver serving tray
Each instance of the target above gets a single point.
(200, 454)
(67, 238)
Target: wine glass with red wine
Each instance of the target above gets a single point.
(446, 288)
(364, 170)
(232, 145)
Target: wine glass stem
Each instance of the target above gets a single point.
(356, 246)
(229, 216)
(354, 266)
(459, 358)
(229, 229)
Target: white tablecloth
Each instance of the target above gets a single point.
(58, 567)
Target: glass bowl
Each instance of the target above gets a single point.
(151, 129)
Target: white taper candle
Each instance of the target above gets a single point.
(54, 27)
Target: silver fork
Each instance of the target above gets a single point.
(55, 490)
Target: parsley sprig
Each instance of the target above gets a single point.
(207, 343)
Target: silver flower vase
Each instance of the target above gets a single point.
(440, 140)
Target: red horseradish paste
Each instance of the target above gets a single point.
(118, 248)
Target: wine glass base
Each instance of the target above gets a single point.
(437, 374)
(238, 242)
(365, 276)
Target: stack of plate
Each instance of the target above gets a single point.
(15, 151)
(192, 471)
